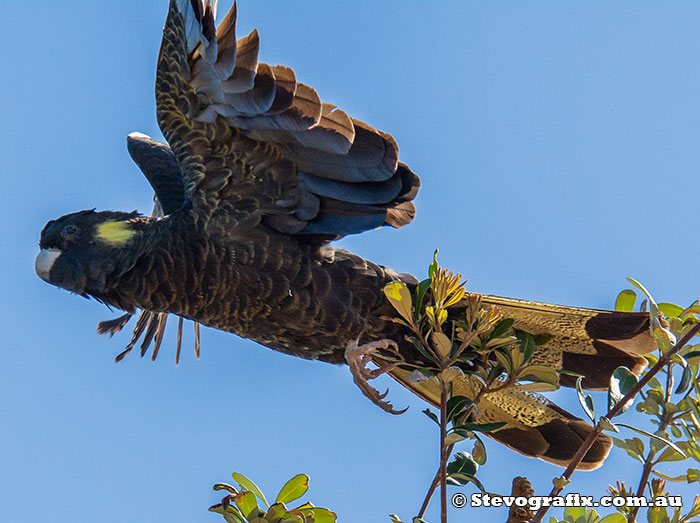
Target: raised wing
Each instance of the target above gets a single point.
(159, 165)
(256, 146)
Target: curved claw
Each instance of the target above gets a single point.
(357, 357)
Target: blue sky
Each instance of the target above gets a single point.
(558, 146)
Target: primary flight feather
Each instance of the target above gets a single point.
(257, 178)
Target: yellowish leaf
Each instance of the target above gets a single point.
(456, 297)
(442, 344)
(538, 387)
(453, 438)
(436, 317)
(540, 374)
(400, 298)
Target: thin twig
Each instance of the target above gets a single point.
(593, 436)
(443, 451)
(433, 486)
(649, 463)
(436, 480)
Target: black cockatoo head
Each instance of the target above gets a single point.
(82, 250)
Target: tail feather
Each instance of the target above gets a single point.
(536, 427)
(589, 342)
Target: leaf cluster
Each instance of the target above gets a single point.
(241, 505)
(669, 400)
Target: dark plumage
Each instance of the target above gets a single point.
(257, 178)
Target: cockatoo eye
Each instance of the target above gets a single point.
(69, 232)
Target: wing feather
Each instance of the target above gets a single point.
(225, 114)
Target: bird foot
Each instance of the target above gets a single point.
(358, 357)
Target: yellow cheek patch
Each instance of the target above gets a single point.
(115, 232)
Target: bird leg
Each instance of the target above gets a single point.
(358, 357)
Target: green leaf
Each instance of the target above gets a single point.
(585, 400)
(614, 518)
(625, 301)
(653, 436)
(655, 384)
(479, 452)
(670, 454)
(246, 503)
(634, 447)
(419, 347)
(573, 514)
(494, 373)
(542, 339)
(230, 514)
(433, 267)
(693, 357)
(420, 293)
(571, 373)
(540, 374)
(504, 358)
(619, 443)
(657, 515)
(431, 415)
(621, 382)
(463, 463)
(441, 344)
(675, 479)
(481, 427)
(319, 515)
(293, 489)
(693, 476)
(606, 424)
(670, 310)
(276, 512)
(653, 308)
(527, 343)
(291, 517)
(502, 327)
(456, 405)
(247, 484)
(461, 479)
(686, 380)
(467, 357)
(537, 386)
(455, 437)
(225, 486)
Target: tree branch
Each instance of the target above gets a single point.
(593, 436)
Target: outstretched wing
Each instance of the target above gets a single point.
(589, 342)
(256, 146)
